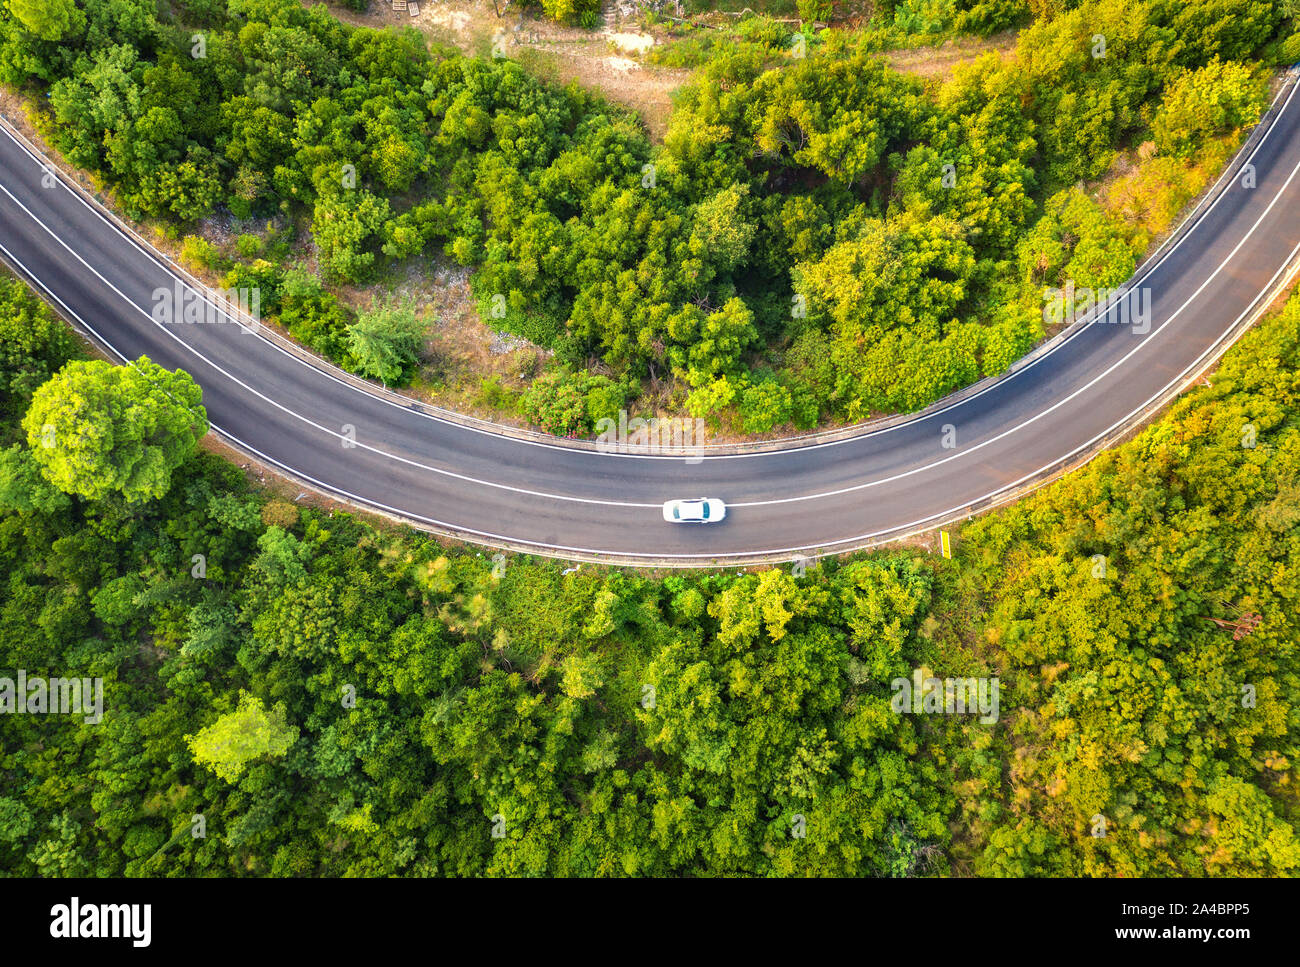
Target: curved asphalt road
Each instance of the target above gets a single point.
(556, 499)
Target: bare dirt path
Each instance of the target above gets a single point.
(609, 60)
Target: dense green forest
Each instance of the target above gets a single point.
(291, 691)
(319, 695)
(818, 236)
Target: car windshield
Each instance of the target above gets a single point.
(677, 513)
(704, 510)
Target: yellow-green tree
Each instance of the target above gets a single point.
(47, 19)
(248, 733)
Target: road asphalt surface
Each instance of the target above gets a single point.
(807, 498)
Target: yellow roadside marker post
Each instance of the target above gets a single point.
(947, 546)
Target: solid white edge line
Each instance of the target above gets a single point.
(741, 557)
(238, 382)
(324, 367)
(892, 530)
(1145, 342)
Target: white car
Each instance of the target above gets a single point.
(702, 510)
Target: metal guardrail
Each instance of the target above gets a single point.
(286, 344)
(260, 328)
(1064, 465)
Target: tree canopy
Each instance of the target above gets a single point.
(849, 213)
(96, 429)
(335, 698)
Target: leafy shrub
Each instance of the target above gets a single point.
(763, 30)
(819, 10)
(573, 11)
(923, 16)
(763, 405)
(249, 246)
(314, 317)
(710, 399)
(492, 394)
(984, 17)
(555, 403)
(385, 342)
(198, 253)
(346, 229)
(603, 398)
(1288, 51)
(260, 275)
(570, 404)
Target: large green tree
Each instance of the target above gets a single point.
(96, 429)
